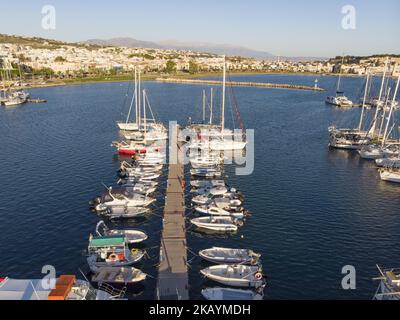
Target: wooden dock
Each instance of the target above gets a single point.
(242, 84)
(172, 282)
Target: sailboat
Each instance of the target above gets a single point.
(351, 138)
(339, 99)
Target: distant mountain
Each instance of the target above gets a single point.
(230, 50)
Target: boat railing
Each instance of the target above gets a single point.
(114, 292)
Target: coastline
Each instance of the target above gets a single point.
(154, 76)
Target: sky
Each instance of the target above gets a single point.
(281, 27)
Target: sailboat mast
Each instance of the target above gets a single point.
(363, 105)
(204, 106)
(211, 105)
(136, 94)
(391, 111)
(223, 97)
(384, 111)
(379, 98)
(144, 114)
(139, 102)
(340, 74)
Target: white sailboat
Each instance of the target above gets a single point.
(339, 100)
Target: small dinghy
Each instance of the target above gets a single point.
(236, 212)
(118, 275)
(231, 294)
(207, 183)
(235, 275)
(230, 256)
(131, 236)
(224, 224)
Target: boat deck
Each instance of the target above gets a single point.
(172, 282)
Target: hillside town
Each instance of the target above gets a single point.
(71, 60)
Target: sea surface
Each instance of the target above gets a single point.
(314, 210)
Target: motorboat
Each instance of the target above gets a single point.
(388, 162)
(111, 251)
(125, 166)
(389, 285)
(390, 174)
(140, 174)
(131, 236)
(122, 213)
(219, 293)
(118, 275)
(234, 198)
(217, 223)
(236, 212)
(141, 183)
(235, 275)
(207, 183)
(371, 152)
(218, 190)
(206, 173)
(140, 188)
(227, 144)
(67, 287)
(120, 198)
(230, 256)
(131, 148)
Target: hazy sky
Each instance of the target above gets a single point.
(281, 27)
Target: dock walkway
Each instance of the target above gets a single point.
(172, 282)
(242, 84)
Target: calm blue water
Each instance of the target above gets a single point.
(314, 210)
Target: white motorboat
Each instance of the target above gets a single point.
(206, 173)
(207, 183)
(118, 275)
(212, 210)
(390, 174)
(125, 166)
(216, 223)
(133, 181)
(230, 256)
(233, 199)
(121, 213)
(389, 286)
(226, 145)
(218, 190)
(235, 275)
(67, 287)
(231, 294)
(371, 152)
(111, 251)
(140, 188)
(388, 162)
(199, 162)
(121, 198)
(131, 236)
(140, 174)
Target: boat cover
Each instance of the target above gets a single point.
(107, 241)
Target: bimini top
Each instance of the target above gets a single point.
(106, 241)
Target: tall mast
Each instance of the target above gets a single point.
(204, 106)
(391, 110)
(363, 105)
(211, 105)
(223, 97)
(379, 98)
(144, 114)
(340, 73)
(139, 102)
(136, 100)
(130, 105)
(384, 111)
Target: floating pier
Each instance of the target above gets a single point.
(242, 84)
(172, 282)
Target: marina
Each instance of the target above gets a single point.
(280, 225)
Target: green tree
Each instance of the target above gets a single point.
(59, 59)
(170, 67)
(193, 67)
